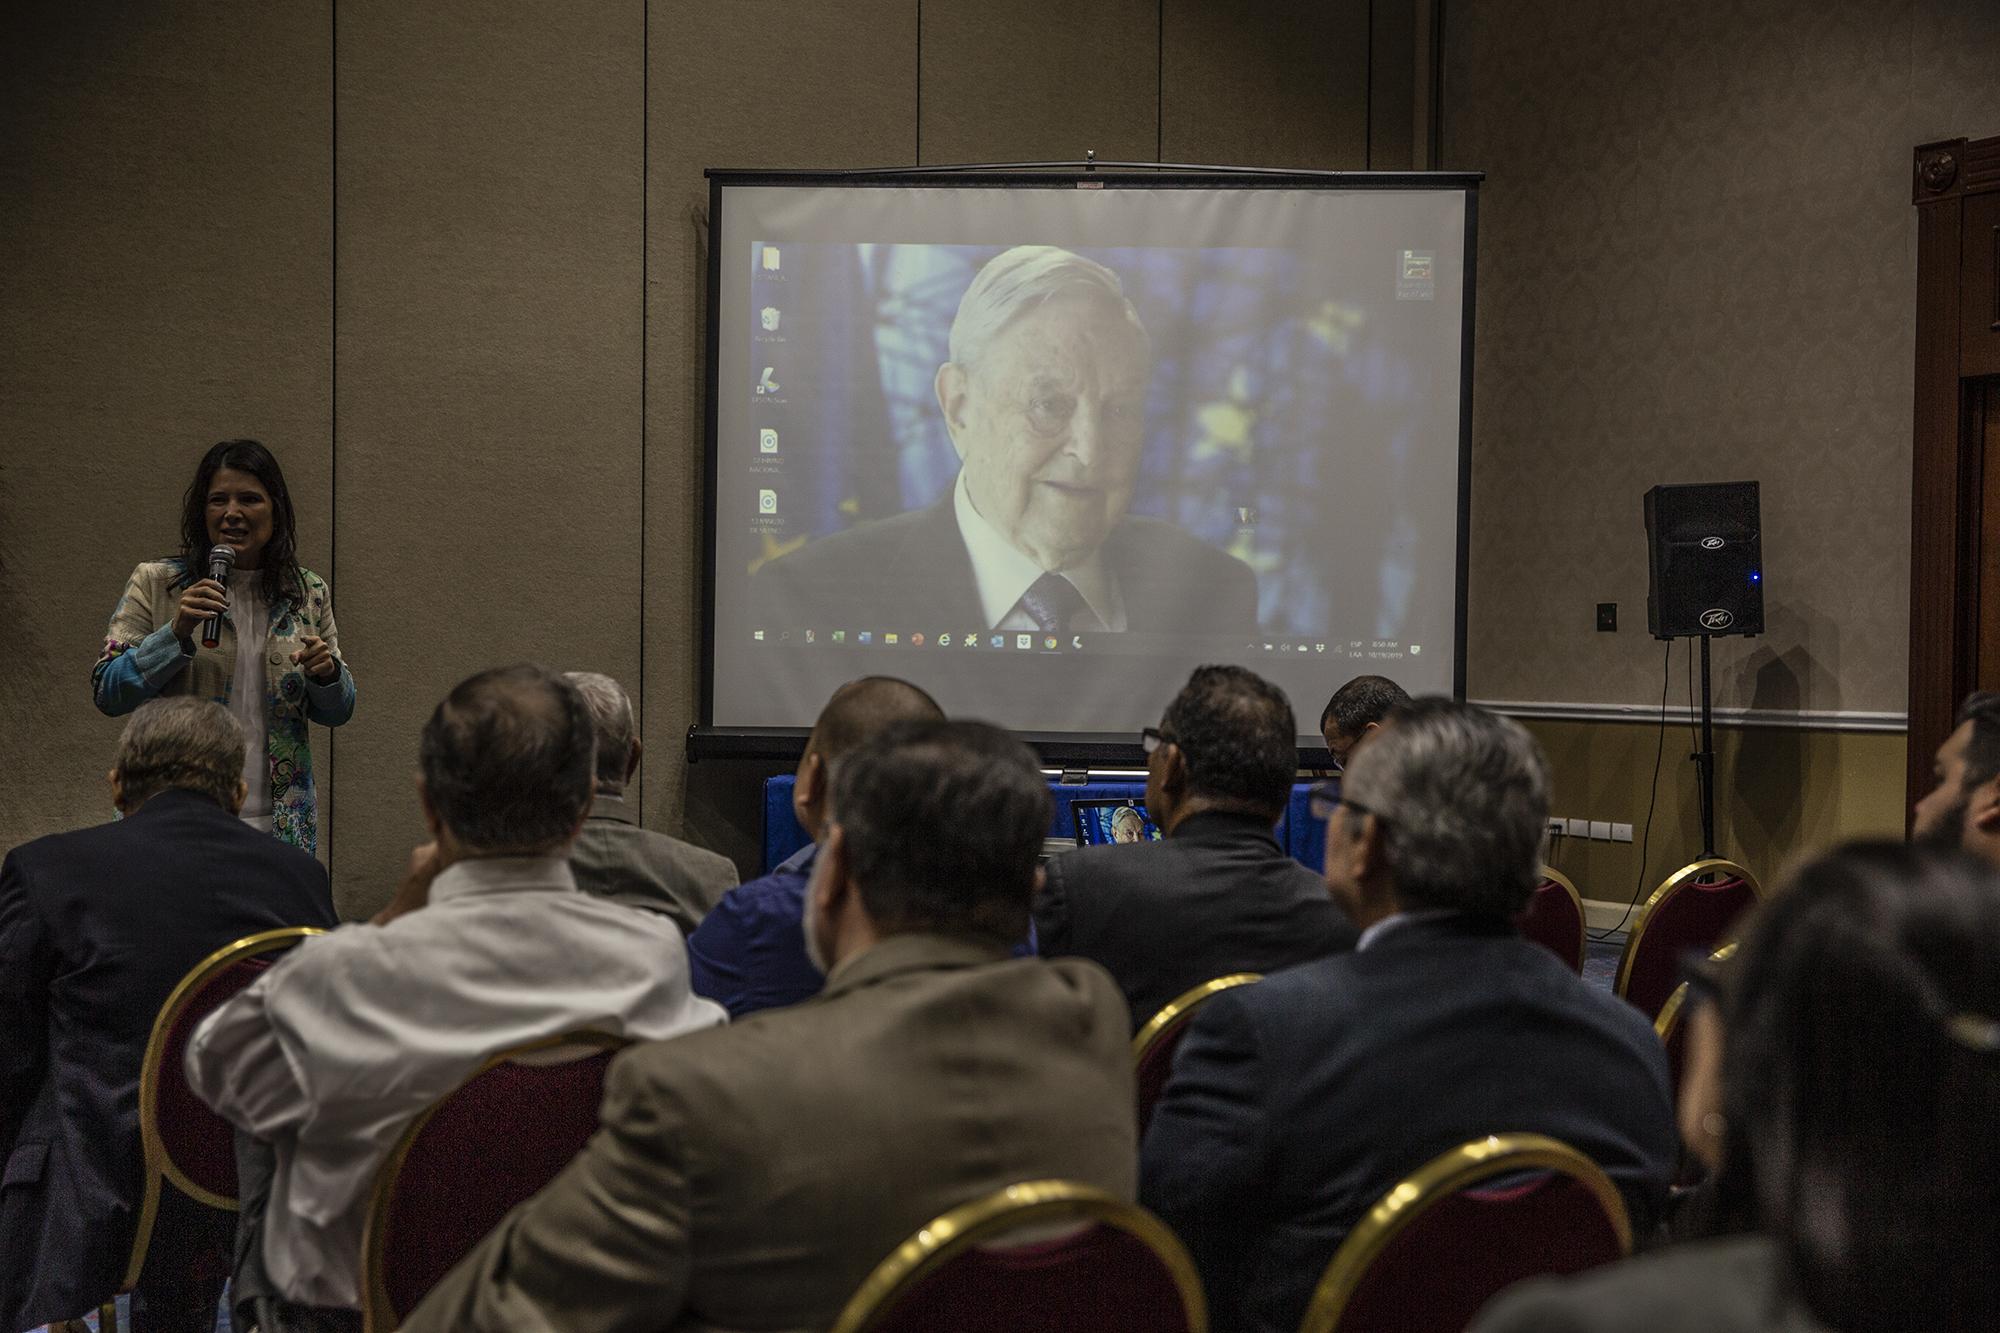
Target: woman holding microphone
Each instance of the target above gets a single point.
(275, 661)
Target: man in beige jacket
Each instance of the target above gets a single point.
(750, 1177)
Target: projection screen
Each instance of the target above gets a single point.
(1043, 445)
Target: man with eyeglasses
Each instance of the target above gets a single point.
(1963, 809)
(1217, 895)
(1357, 711)
(1297, 1103)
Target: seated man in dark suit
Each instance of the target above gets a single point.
(1044, 399)
(751, 1177)
(613, 857)
(750, 952)
(96, 928)
(1296, 1103)
(1217, 895)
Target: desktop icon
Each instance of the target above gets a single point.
(1076, 641)
(809, 636)
(916, 641)
(767, 441)
(1024, 640)
(765, 384)
(866, 636)
(1302, 648)
(840, 636)
(890, 637)
(757, 634)
(768, 316)
(1049, 643)
(944, 640)
(999, 641)
(1416, 648)
(1319, 647)
(767, 502)
(771, 258)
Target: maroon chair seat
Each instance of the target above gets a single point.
(1464, 1227)
(1114, 1268)
(1553, 918)
(1154, 1046)
(1692, 912)
(461, 1167)
(185, 1144)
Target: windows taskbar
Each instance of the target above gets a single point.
(1129, 643)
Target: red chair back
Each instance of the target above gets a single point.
(1114, 1268)
(1464, 1227)
(185, 1143)
(1554, 919)
(1154, 1046)
(487, 1146)
(1684, 915)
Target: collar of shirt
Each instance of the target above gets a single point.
(606, 806)
(503, 874)
(1397, 921)
(1004, 573)
(799, 862)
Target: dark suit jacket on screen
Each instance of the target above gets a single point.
(614, 858)
(914, 570)
(96, 927)
(1218, 896)
(750, 1176)
(1718, 1286)
(1295, 1104)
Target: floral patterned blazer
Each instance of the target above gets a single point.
(142, 659)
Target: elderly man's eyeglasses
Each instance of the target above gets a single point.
(1324, 799)
(1152, 738)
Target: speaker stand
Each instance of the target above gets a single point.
(1704, 760)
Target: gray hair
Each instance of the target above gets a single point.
(180, 743)
(611, 717)
(1018, 280)
(1462, 796)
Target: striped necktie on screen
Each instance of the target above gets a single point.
(1053, 601)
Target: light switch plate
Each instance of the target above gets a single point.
(1600, 829)
(1579, 828)
(1621, 833)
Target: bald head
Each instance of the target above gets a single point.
(861, 708)
(858, 711)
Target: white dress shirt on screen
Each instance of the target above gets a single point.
(332, 1053)
(1004, 573)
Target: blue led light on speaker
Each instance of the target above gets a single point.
(1756, 576)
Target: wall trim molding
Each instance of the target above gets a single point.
(1789, 719)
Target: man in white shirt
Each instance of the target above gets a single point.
(487, 945)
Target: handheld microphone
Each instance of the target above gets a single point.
(221, 559)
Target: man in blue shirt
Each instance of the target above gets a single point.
(749, 952)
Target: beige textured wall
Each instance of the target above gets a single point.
(165, 245)
(1697, 263)
(449, 260)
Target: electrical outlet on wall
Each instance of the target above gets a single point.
(1600, 829)
(1579, 828)
(1621, 833)
(1557, 826)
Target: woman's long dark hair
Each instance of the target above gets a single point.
(1862, 1080)
(280, 569)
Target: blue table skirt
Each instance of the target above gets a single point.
(1298, 832)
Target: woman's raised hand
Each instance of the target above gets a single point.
(200, 601)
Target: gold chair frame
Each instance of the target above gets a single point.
(1670, 1012)
(1181, 1004)
(1033, 1203)
(1438, 1179)
(159, 1166)
(1553, 876)
(1673, 884)
(377, 1316)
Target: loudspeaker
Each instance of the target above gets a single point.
(1706, 574)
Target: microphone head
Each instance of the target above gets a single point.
(222, 556)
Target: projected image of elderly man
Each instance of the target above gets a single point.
(1044, 400)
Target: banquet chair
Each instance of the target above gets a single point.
(1045, 1256)
(1554, 918)
(184, 1144)
(1154, 1046)
(1694, 910)
(1462, 1227)
(460, 1167)
(1672, 1030)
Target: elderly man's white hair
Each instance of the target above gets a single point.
(611, 718)
(1021, 279)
